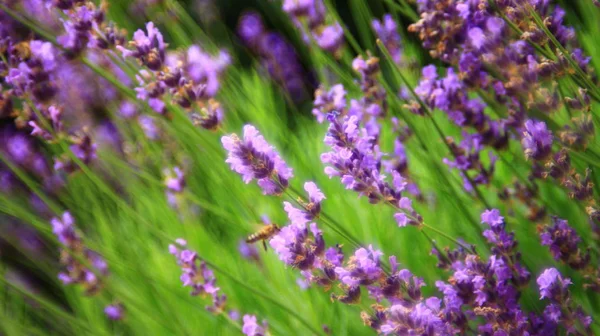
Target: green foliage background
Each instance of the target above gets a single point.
(122, 209)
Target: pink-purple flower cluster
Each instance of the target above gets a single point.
(191, 80)
(81, 266)
(387, 31)
(196, 274)
(310, 16)
(276, 55)
(254, 159)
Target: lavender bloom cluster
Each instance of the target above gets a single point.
(254, 159)
(386, 30)
(191, 80)
(310, 17)
(73, 255)
(495, 49)
(276, 55)
(301, 245)
(196, 274)
(356, 160)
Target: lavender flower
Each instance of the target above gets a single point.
(72, 250)
(175, 184)
(196, 274)
(148, 48)
(563, 242)
(537, 140)
(252, 328)
(327, 102)
(552, 285)
(331, 38)
(355, 159)
(310, 16)
(561, 310)
(387, 31)
(253, 158)
(114, 312)
(277, 56)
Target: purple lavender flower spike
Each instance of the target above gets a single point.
(176, 182)
(148, 48)
(310, 209)
(387, 31)
(254, 159)
(252, 328)
(114, 312)
(327, 102)
(197, 275)
(74, 271)
(537, 140)
(561, 310)
(331, 38)
(251, 28)
(563, 242)
(552, 285)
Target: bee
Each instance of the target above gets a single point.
(22, 50)
(263, 234)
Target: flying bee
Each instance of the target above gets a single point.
(263, 234)
(22, 50)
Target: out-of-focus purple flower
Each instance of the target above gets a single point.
(253, 158)
(176, 182)
(331, 38)
(248, 251)
(277, 56)
(330, 101)
(298, 7)
(114, 312)
(251, 28)
(197, 275)
(72, 250)
(387, 31)
(252, 328)
(205, 68)
(537, 140)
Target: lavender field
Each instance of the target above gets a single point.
(299, 167)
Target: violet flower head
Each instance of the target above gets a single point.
(175, 179)
(252, 328)
(363, 268)
(148, 48)
(298, 7)
(552, 285)
(563, 242)
(561, 310)
(330, 38)
(250, 28)
(537, 140)
(254, 159)
(387, 31)
(248, 251)
(422, 319)
(310, 208)
(72, 251)
(114, 312)
(196, 274)
(330, 101)
(64, 229)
